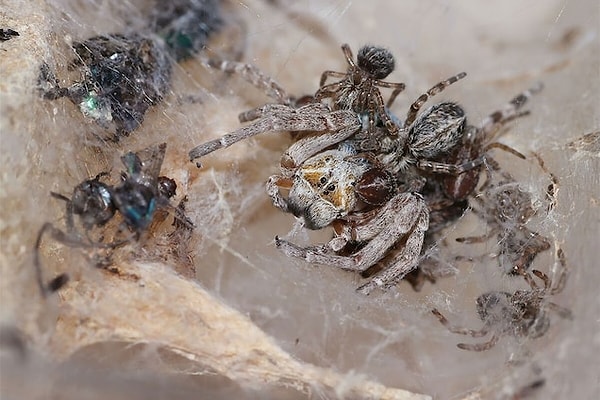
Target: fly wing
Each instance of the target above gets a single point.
(144, 166)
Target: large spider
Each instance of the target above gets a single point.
(323, 192)
(523, 313)
(140, 193)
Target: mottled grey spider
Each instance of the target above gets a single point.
(523, 313)
(507, 209)
(323, 192)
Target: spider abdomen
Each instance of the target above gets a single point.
(437, 131)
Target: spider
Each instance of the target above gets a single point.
(348, 176)
(447, 195)
(477, 141)
(523, 313)
(507, 208)
(331, 188)
(352, 97)
(323, 192)
(136, 198)
(358, 88)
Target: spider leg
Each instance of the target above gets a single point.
(398, 88)
(273, 117)
(348, 54)
(543, 277)
(403, 262)
(458, 330)
(561, 311)
(552, 190)
(377, 99)
(340, 125)
(476, 239)
(410, 216)
(504, 147)
(328, 74)
(509, 112)
(328, 91)
(254, 76)
(480, 346)
(273, 184)
(439, 87)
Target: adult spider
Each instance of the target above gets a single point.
(374, 224)
(136, 198)
(523, 313)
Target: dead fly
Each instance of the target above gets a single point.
(94, 203)
(523, 313)
(119, 78)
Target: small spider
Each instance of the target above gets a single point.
(136, 198)
(507, 208)
(352, 97)
(523, 313)
(446, 195)
(358, 88)
(477, 141)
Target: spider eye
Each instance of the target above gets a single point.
(323, 180)
(331, 188)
